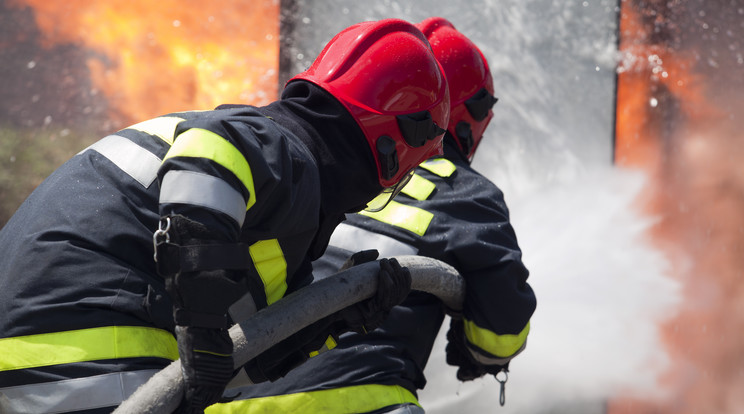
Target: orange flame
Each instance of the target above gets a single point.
(648, 74)
(676, 119)
(155, 57)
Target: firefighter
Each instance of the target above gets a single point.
(138, 250)
(449, 212)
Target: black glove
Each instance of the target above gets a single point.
(394, 283)
(206, 365)
(189, 258)
(358, 258)
(277, 361)
(458, 355)
(393, 286)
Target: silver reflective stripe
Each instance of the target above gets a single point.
(137, 162)
(195, 188)
(406, 409)
(355, 239)
(78, 394)
(492, 360)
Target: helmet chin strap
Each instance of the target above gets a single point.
(388, 194)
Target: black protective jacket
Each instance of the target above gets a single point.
(80, 298)
(448, 212)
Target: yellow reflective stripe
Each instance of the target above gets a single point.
(329, 344)
(419, 188)
(407, 217)
(498, 345)
(355, 399)
(268, 259)
(202, 351)
(163, 127)
(439, 166)
(201, 143)
(109, 342)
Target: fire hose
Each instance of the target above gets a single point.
(164, 391)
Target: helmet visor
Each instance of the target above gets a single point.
(387, 194)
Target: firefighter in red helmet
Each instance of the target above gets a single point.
(471, 84)
(449, 212)
(144, 247)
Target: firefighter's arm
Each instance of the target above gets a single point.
(495, 321)
(499, 303)
(474, 361)
(193, 262)
(393, 285)
(207, 187)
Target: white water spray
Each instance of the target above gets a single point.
(602, 292)
(601, 286)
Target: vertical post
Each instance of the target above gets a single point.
(619, 9)
(287, 23)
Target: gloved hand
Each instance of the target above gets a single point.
(277, 361)
(394, 284)
(358, 258)
(206, 365)
(458, 355)
(189, 257)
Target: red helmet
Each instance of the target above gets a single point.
(469, 79)
(388, 78)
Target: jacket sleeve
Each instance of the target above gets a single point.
(499, 302)
(232, 171)
(206, 175)
(483, 246)
(454, 214)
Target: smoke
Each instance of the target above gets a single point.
(687, 113)
(613, 253)
(602, 291)
(604, 287)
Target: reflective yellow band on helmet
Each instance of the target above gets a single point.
(356, 399)
(498, 345)
(268, 259)
(406, 217)
(439, 166)
(82, 345)
(419, 188)
(201, 143)
(163, 127)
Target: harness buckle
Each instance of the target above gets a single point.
(161, 235)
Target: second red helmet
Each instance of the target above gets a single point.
(386, 75)
(469, 79)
